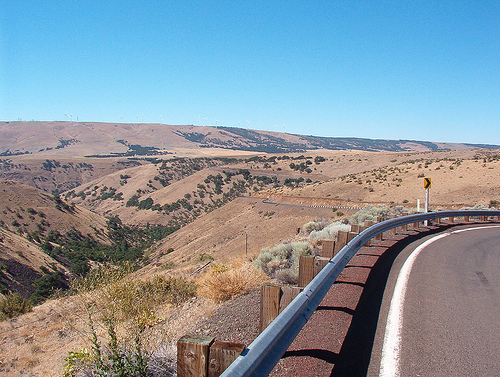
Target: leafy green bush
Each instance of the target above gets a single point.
(47, 284)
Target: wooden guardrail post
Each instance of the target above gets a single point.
(355, 228)
(327, 248)
(350, 236)
(341, 241)
(364, 227)
(202, 356)
(192, 355)
(416, 225)
(438, 220)
(274, 298)
(222, 354)
(483, 218)
(306, 270)
(270, 295)
(451, 219)
(319, 263)
(288, 293)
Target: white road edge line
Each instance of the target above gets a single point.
(389, 362)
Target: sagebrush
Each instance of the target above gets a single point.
(282, 261)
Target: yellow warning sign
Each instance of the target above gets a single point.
(427, 183)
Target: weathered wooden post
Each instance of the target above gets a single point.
(274, 298)
(221, 355)
(270, 295)
(192, 355)
(451, 219)
(306, 270)
(350, 236)
(362, 228)
(288, 293)
(466, 219)
(355, 228)
(327, 247)
(341, 240)
(319, 263)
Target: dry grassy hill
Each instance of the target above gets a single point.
(30, 212)
(228, 203)
(78, 139)
(239, 230)
(23, 262)
(459, 179)
(55, 175)
(28, 218)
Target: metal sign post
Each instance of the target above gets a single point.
(427, 186)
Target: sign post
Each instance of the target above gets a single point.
(427, 186)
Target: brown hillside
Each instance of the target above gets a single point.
(22, 263)
(239, 229)
(27, 217)
(24, 210)
(59, 174)
(458, 179)
(77, 139)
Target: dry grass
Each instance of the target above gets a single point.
(223, 282)
(121, 319)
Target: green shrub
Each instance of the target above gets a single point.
(13, 305)
(203, 257)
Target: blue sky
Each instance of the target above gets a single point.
(425, 70)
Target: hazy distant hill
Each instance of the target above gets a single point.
(125, 139)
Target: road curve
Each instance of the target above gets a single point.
(445, 321)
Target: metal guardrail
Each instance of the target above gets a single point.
(260, 357)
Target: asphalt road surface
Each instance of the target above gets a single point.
(440, 314)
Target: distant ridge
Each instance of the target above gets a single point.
(150, 139)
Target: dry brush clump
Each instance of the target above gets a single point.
(223, 282)
(281, 261)
(370, 213)
(329, 232)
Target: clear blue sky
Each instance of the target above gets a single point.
(426, 70)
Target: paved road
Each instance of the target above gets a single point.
(450, 321)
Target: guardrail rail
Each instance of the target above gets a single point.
(260, 357)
